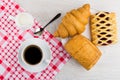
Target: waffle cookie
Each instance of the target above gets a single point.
(83, 50)
(103, 28)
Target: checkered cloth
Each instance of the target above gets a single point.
(10, 39)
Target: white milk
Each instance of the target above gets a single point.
(23, 20)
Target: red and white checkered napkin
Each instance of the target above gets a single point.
(11, 38)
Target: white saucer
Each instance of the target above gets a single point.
(46, 58)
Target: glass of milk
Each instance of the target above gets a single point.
(23, 20)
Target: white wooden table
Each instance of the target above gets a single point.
(108, 67)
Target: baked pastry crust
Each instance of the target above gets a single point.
(103, 28)
(73, 22)
(84, 51)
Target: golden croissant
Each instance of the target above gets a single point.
(73, 22)
(81, 49)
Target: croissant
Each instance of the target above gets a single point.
(73, 22)
(81, 49)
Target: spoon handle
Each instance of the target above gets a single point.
(42, 29)
(56, 17)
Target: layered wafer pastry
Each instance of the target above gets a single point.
(103, 28)
(73, 22)
(83, 50)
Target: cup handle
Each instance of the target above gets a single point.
(11, 18)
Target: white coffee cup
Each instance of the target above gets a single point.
(23, 20)
(44, 60)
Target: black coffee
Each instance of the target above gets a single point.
(32, 54)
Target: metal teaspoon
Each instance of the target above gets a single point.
(42, 29)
